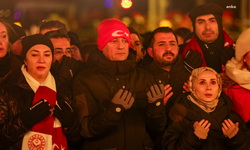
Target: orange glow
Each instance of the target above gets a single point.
(126, 4)
(18, 23)
(165, 23)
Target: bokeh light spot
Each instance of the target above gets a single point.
(126, 4)
(17, 15)
(109, 3)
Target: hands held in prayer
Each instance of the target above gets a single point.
(167, 94)
(123, 98)
(192, 60)
(230, 129)
(155, 92)
(37, 112)
(227, 53)
(201, 128)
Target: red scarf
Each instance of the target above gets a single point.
(46, 134)
(193, 44)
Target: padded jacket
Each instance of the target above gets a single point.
(102, 126)
(16, 95)
(180, 133)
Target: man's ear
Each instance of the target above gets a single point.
(150, 52)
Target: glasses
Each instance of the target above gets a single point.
(68, 51)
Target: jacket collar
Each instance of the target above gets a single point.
(154, 69)
(100, 63)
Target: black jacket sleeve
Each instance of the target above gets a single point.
(94, 122)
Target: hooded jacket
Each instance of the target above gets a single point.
(16, 95)
(180, 133)
(105, 128)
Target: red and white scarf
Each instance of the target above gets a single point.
(193, 44)
(46, 134)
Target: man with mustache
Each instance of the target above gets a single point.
(167, 67)
(214, 44)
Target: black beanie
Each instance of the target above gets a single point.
(74, 39)
(208, 8)
(19, 32)
(32, 40)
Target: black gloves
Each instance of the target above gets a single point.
(65, 114)
(155, 92)
(227, 54)
(123, 98)
(68, 67)
(36, 113)
(192, 60)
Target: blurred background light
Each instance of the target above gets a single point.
(126, 4)
(165, 23)
(17, 15)
(109, 3)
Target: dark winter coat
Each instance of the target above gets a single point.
(175, 77)
(16, 95)
(7, 65)
(101, 125)
(180, 133)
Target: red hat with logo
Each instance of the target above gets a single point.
(110, 29)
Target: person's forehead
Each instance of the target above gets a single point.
(2, 27)
(205, 17)
(164, 35)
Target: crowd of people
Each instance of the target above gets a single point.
(166, 90)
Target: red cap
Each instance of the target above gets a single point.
(110, 29)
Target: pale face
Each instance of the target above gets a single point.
(4, 40)
(206, 28)
(206, 86)
(76, 52)
(136, 45)
(61, 47)
(116, 49)
(38, 62)
(165, 49)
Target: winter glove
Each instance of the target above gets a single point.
(155, 92)
(68, 68)
(65, 114)
(36, 113)
(192, 60)
(227, 54)
(124, 98)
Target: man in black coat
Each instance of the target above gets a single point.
(214, 45)
(167, 66)
(118, 105)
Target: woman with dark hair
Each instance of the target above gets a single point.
(203, 119)
(8, 61)
(36, 109)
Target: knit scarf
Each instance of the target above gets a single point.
(46, 134)
(240, 76)
(206, 106)
(193, 44)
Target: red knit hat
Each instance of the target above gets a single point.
(110, 29)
